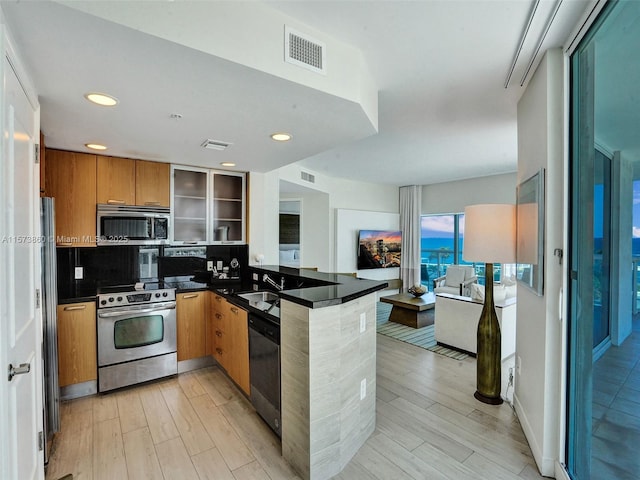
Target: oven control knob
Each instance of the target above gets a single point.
(103, 302)
(165, 294)
(157, 295)
(110, 299)
(119, 299)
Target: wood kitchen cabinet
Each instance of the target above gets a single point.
(70, 177)
(191, 323)
(116, 183)
(190, 210)
(152, 183)
(77, 354)
(231, 340)
(229, 192)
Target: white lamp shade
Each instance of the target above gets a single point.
(490, 233)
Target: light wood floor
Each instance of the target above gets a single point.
(616, 411)
(199, 426)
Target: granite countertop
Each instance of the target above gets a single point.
(326, 289)
(334, 288)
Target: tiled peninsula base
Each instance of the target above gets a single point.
(325, 357)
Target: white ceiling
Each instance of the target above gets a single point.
(439, 67)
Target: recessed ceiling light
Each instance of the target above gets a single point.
(281, 137)
(228, 164)
(101, 99)
(95, 146)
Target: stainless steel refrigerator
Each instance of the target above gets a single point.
(51, 388)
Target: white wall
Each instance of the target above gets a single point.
(316, 222)
(321, 200)
(348, 223)
(263, 217)
(538, 379)
(452, 197)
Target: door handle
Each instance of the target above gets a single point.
(20, 370)
(115, 202)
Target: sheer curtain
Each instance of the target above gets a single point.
(410, 209)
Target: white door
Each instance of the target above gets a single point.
(20, 319)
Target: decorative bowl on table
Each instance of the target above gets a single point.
(417, 290)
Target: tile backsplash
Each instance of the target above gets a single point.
(125, 265)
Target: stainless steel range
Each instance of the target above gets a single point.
(136, 336)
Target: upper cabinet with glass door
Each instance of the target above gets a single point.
(190, 206)
(228, 203)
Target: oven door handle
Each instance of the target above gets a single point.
(133, 310)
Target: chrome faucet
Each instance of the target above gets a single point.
(270, 281)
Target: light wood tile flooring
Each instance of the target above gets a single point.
(616, 411)
(199, 426)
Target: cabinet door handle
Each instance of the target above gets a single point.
(64, 244)
(219, 350)
(116, 202)
(234, 310)
(74, 307)
(152, 203)
(218, 316)
(193, 295)
(190, 243)
(218, 333)
(218, 298)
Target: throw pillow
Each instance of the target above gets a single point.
(286, 256)
(499, 293)
(511, 291)
(477, 292)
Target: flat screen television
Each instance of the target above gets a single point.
(379, 249)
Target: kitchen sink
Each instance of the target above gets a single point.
(265, 301)
(264, 296)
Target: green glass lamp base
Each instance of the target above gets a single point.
(490, 400)
(488, 357)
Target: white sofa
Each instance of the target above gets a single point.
(456, 322)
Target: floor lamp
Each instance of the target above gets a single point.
(489, 237)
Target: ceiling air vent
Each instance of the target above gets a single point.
(304, 51)
(215, 144)
(307, 177)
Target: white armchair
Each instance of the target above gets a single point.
(457, 280)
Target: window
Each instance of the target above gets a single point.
(442, 243)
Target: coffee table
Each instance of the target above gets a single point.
(409, 310)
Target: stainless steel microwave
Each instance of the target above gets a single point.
(132, 225)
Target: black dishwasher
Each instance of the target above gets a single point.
(264, 368)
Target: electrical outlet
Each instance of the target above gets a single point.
(255, 277)
(78, 273)
(209, 265)
(219, 265)
(363, 322)
(519, 364)
(363, 388)
(510, 377)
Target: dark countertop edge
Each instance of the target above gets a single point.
(68, 301)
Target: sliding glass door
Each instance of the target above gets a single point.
(603, 382)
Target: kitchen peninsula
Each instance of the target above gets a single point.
(328, 371)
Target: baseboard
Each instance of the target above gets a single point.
(561, 472)
(195, 363)
(78, 390)
(546, 466)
